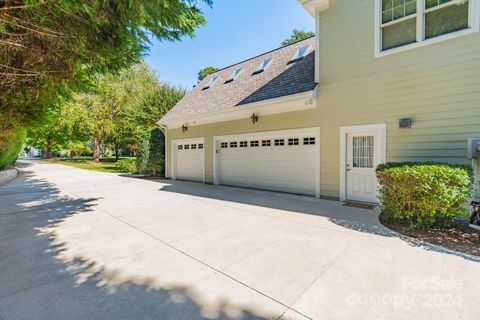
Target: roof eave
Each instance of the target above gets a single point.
(314, 6)
(289, 103)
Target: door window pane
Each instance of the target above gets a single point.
(363, 152)
(445, 20)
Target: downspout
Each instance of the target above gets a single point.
(165, 134)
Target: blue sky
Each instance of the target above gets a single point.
(236, 30)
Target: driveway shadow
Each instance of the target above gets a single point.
(357, 219)
(36, 284)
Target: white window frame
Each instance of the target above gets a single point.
(211, 82)
(261, 67)
(296, 56)
(235, 74)
(473, 26)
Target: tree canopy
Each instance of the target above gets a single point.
(297, 35)
(202, 74)
(123, 106)
(50, 48)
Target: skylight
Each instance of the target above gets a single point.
(234, 75)
(263, 65)
(302, 52)
(211, 82)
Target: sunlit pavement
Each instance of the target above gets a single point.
(78, 244)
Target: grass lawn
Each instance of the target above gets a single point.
(105, 164)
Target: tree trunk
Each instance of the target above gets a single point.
(96, 150)
(117, 151)
(49, 154)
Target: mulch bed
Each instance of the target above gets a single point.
(460, 238)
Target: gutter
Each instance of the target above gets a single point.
(296, 102)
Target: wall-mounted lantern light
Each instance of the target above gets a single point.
(184, 128)
(254, 118)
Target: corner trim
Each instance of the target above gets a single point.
(314, 6)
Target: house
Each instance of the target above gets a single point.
(381, 81)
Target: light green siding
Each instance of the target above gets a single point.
(438, 86)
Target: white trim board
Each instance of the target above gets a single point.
(173, 146)
(378, 127)
(296, 102)
(314, 6)
(473, 26)
(313, 131)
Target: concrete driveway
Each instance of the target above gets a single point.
(78, 244)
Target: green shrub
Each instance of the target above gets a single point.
(11, 147)
(424, 194)
(151, 154)
(126, 165)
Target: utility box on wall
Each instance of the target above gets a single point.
(473, 148)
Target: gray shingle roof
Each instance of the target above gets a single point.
(281, 78)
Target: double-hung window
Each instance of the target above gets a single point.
(406, 23)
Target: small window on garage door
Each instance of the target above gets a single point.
(309, 141)
(274, 161)
(188, 160)
(293, 142)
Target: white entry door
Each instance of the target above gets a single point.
(363, 156)
(281, 161)
(189, 159)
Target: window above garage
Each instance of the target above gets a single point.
(406, 24)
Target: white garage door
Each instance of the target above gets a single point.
(283, 161)
(189, 160)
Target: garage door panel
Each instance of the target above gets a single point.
(189, 161)
(279, 168)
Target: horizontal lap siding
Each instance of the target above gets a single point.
(291, 120)
(438, 86)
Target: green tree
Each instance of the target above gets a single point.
(123, 107)
(297, 35)
(52, 134)
(49, 48)
(11, 147)
(151, 154)
(202, 74)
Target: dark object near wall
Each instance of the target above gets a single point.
(405, 123)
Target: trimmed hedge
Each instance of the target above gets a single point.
(126, 165)
(10, 149)
(151, 154)
(424, 193)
